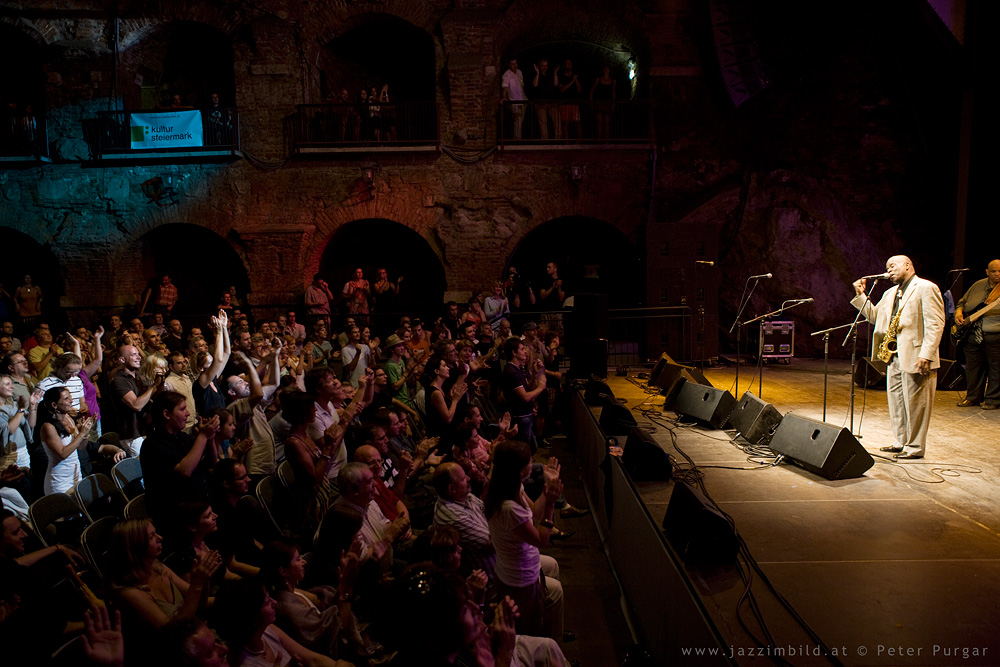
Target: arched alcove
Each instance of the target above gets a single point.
(191, 59)
(358, 58)
(373, 243)
(200, 263)
(593, 256)
(24, 255)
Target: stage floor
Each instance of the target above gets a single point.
(898, 567)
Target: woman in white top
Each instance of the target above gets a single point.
(518, 529)
(16, 424)
(61, 438)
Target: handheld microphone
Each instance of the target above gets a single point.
(877, 276)
(763, 275)
(805, 301)
(957, 270)
(704, 262)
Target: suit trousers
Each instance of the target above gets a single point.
(911, 397)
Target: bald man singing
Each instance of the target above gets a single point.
(911, 374)
(982, 342)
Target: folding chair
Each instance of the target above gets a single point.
(99, 497)
(95, 540)
(128, 477)
(58, 519)
(136, 508)
(286, 474)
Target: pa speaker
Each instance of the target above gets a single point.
(643, 459)
(755, 419)
(825, 449)
(616, 419)
(596, 391)
(696, 529)
(951, 376)
(870, 373)
(707, 404)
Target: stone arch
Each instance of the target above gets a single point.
(24, 255)
(190, 57)
(201, 262)
(593, 256)
(370, 243)
(355, 55)
(25, 28)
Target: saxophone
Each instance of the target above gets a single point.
(888, 346)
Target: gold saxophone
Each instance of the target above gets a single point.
(888, 346)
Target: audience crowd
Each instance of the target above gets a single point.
(316, 493)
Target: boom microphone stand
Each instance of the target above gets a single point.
(852, 335)
(787, 305)
(744, 301)
(826, 358)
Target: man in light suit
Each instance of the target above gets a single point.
(911, 376)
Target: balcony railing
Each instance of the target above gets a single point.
(114, 133)
(317, 127)
(23, 137)
(581, 122)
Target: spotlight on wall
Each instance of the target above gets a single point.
(576, 173)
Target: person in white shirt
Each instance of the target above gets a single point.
(512, 84)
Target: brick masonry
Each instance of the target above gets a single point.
(821, 186)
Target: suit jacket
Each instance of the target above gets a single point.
(921, 322)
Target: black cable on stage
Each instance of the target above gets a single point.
(937, 475)
(692, 474)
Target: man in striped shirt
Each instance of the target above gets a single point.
(460, 509)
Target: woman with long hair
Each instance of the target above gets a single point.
(440, 412)
(311, 492)
(148, 592)
(244, 617)
(153, 366)
(518, 529)
(60, 438)
(18, 419)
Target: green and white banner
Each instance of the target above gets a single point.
(166, 129)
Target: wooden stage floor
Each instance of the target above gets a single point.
(898, 567)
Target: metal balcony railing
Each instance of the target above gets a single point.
(23, 136)
(112, 132)
(377, 125)
(555, 122)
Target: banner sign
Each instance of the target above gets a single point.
(166, 129)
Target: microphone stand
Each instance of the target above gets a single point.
(852, 335)
(744, 302)
(826, 358)
(760, 351)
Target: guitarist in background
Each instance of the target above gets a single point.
(982, 341)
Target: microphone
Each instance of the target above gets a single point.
(804, 301)
(704, 262)
(957, 270)
(763, 275)
(877, 276)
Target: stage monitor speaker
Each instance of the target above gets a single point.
(699, 532)
(596, 391)
(616, 419)
(951, 376)
(644, 460)
(707, 404)
(827, 450)
(589, 357)
(870, 373)
(755, 419)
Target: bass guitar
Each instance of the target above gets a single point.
(960, 331)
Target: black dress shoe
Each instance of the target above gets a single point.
(968, 404)
(894, 450)
(557, 534)
(907, 455)
(989, 406)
